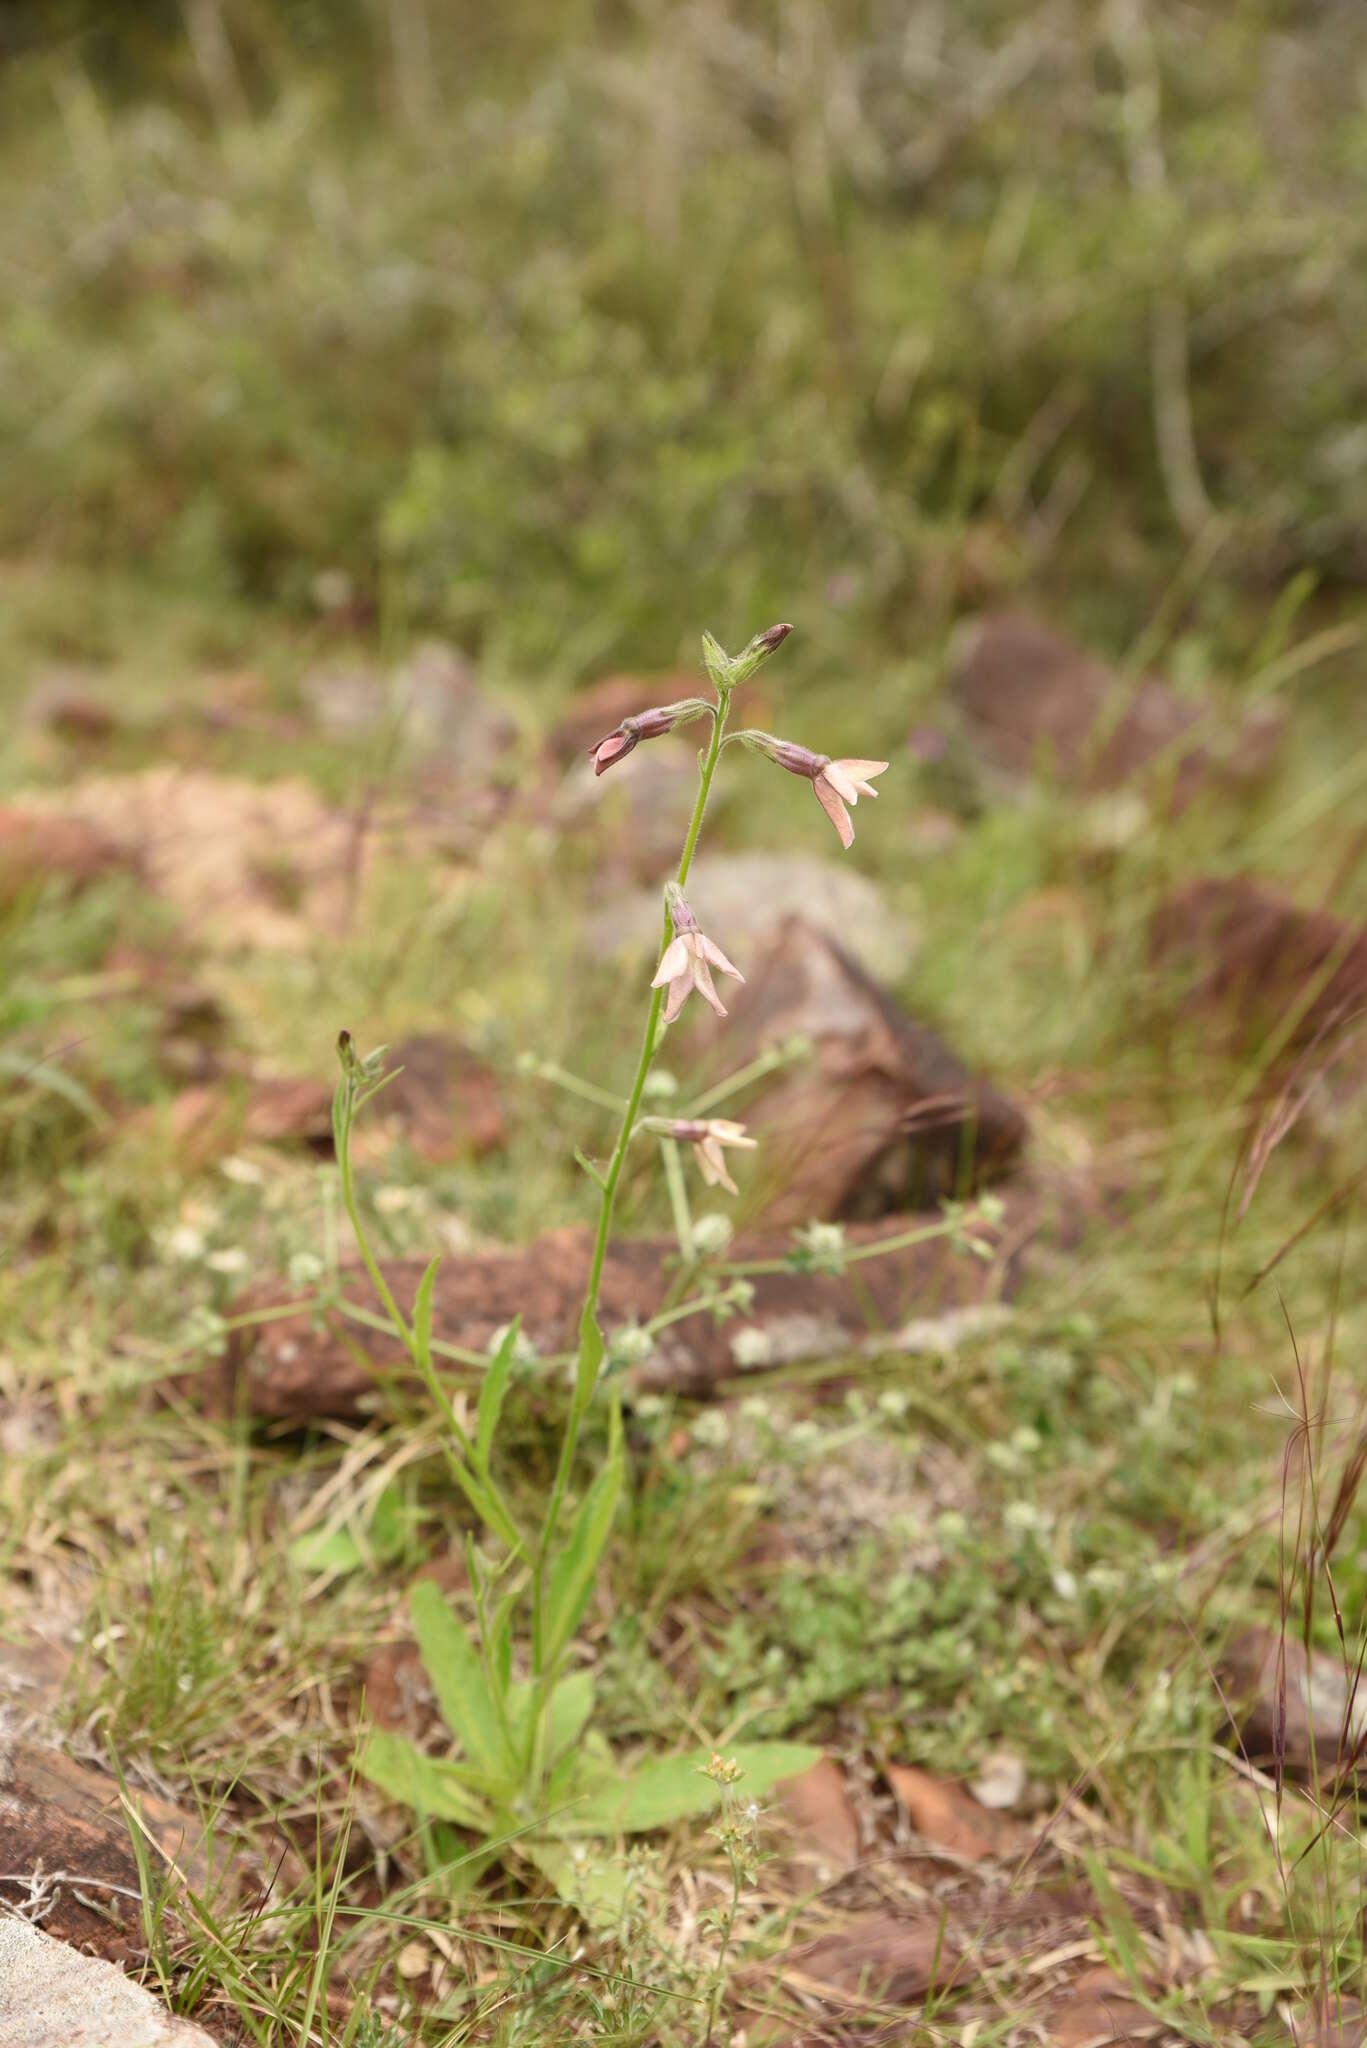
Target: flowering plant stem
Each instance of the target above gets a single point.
(590, 1338)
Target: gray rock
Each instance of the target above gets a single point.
(52, 1996)
(740, 899)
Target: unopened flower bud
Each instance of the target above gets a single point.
(727, 670)
(722, 1770)
(643, 725)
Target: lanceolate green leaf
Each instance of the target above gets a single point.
(492, 1392)
(422, 1311)
(672, 1788)
(571, 1705)
(458, 1680)
(427, 1787)
(571, 1575)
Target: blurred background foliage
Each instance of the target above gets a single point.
(561, 329)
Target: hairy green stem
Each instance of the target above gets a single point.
(545, 1674)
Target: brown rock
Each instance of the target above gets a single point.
(53, 1997)
(1036, 699)
(36, 844)
(1325, 1718)
(821, 1818)
(64, 1831)
(298, 1367)
(877, 1958)
(883, 1116)
(445, 1101)
(948, 1816)
(210, 1119)
(1256, 951)
(289, 1106)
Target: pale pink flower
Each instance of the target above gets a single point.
(836, 783)
(687, 963)
(708, 1136)
(843, 782)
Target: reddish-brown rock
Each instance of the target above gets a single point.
(1254, 950)
(445, 1101)
(63, 1826)
(1036, 700)
(36, 844)
(883, 1116)
(304, 1366)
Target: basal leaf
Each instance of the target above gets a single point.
(395, 1767)
(572, 1573)
(459, 1681)
(594, 1887)
(571, 1705)
(671, 1788)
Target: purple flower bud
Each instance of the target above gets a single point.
(642, 725)
(773, 638)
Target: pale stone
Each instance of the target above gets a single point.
(52, 1996)
(740, 899)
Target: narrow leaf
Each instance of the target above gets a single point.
(501, 1639)
(492, 1392)
(572, 1574)
(571, 1705)
(422, 1312)
(458, 1680)
(42, 1075)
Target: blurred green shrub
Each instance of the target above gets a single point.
(679, 314)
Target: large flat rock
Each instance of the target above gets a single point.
(305, 1366)
(52, 1996)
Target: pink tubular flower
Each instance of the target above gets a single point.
(844, 782)
(687, 963)
(707, 1136)
(643, 725)
(836, 783)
